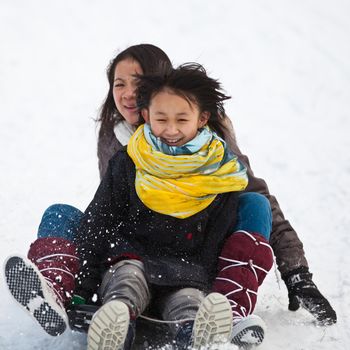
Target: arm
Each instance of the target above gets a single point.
(107, 146)
(284, 240)
(101, 221)
(288, 250)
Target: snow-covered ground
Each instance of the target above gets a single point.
(285, 62)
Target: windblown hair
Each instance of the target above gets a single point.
(151, 59)
(191, 82)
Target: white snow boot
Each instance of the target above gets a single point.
(248, 331)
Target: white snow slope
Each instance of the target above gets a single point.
(285, 62)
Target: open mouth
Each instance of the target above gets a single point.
(131, 108)
(172, 142)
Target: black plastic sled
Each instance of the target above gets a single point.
(148, 334)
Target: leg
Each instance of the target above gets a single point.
(202, 320)
(245, 260)
(54, 250)
(254, 214)
(125, 295)
(179, 305)
(44, 285)
(60, 220)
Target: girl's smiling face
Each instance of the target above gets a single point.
(124, 89)
(174, 119)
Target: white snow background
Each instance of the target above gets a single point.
(286, 63)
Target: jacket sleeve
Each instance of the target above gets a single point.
(101, 221)
(107, 147)
(284, 240)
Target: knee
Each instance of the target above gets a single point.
(60, 220)
(126, 282)
(255, 200)
(65, 211)
(191, 297)
(254, 214)
(124, 274)
(247, 250)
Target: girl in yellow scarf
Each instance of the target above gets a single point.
(181, 163)
(161, 216)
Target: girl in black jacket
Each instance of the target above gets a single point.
(160, 216)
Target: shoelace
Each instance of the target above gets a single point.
(47, 257)
(243, 312)
(234, 305)
(54, 292)
(49, 281)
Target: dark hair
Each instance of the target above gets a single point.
(190, 81)
(151, 58)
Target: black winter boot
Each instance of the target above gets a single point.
(303, 291)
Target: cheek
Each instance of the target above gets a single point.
(192, 133)
(156, 130)
(116, 98)
(192, 129)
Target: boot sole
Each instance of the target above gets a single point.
(109, 327)
(27, 286)
(213, 323)
(248, 333)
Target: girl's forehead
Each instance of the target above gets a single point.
(171, 98)
(127, 67)
(186, 96)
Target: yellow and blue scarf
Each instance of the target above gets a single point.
(182, 181)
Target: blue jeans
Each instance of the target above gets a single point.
(60, 220)
(253, 215)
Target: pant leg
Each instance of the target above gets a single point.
(254, 214)
(54, 251)
(60, 220)
(58, 262)
(125, 281)
(181, 304)
(246, 256)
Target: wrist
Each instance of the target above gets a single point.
(301, 271)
